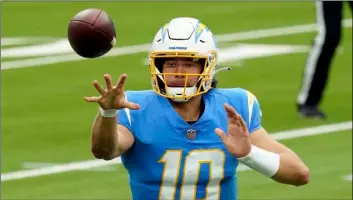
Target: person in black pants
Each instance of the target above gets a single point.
(329, 19)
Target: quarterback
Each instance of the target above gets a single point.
(184, 138)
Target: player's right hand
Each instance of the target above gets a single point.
(113, 97)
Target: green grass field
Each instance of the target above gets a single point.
(44, 117)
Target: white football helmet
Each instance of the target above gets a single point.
(183, 37)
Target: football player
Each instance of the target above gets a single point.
(185, 138)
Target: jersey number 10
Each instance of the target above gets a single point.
(171, 159)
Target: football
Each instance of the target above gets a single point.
(91, 33)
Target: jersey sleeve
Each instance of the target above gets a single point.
(124, 118)
(254, 113)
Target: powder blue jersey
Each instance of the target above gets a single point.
(171, 159)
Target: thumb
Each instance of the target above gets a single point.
(132, 106)
(221, 134)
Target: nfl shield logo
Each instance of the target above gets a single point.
(191, 134)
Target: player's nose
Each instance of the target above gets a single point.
(180, 68)
(179, 71)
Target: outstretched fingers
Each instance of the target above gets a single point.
(230, 111)
(121, 82)
(108, 81)
(132, 106)
(233, 116)
(91, 99)
(243, 124)
(99, 88)
(221, 134)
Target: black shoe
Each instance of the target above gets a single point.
(311, 112)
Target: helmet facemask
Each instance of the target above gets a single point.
(186, 92)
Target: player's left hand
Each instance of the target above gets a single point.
(237, 141)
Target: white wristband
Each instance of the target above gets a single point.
(265, 162)
(108, 113)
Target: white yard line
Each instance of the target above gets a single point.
(128, 50)
(24, 40)
(348, 178)
(84, 165)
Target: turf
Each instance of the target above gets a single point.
(44, 117)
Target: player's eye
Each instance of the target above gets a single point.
(189, 65)
(170, 64)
